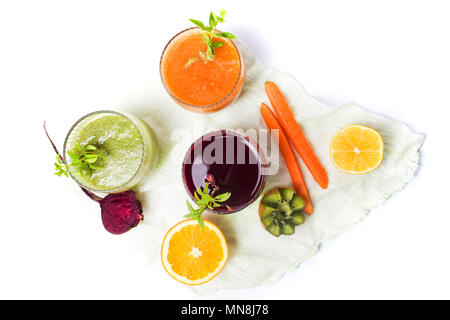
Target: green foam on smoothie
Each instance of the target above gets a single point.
(122, 143)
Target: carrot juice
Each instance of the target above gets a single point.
(197, 84)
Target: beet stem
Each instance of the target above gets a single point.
(53, 145)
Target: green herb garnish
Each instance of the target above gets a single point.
(204, 200)
(208, 35)
(83, 158)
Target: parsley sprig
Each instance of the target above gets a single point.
(209, 33)
(83, 158)
(204, 200)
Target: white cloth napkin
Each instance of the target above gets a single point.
(256, 257)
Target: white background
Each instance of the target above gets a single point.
(62, 59)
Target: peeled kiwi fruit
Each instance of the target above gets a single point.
(280, 211)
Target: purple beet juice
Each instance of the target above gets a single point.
(229, 162)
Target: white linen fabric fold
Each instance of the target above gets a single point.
(256, 257)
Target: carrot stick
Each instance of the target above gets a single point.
(295, 134)
(289, 157)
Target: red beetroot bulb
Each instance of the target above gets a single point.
(121, 212)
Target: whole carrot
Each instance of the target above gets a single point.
(295, 134)
(289, 157)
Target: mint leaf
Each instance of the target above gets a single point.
(191, 216)
(212, 20)
(189, 206)
(205, 189)
(205, 201)
(83, 158)
(223, 197)
(190, 61)
(226, 35)
(198, 23)
(90, 148)
(209, 33)
(217, 44)
(200, 222)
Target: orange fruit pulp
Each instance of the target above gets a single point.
(202, 86)
(357, 149)
(193, 255)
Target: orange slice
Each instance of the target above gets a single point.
(357, 149)
(193, 255)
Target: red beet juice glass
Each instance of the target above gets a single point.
(229, 162)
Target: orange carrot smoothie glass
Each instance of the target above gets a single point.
(198, 84)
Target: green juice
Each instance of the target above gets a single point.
(128, 145)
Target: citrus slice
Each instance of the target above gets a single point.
(357, 149)
(193, 255)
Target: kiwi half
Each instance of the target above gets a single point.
(280, 211)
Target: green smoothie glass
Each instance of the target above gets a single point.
(129, 146)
